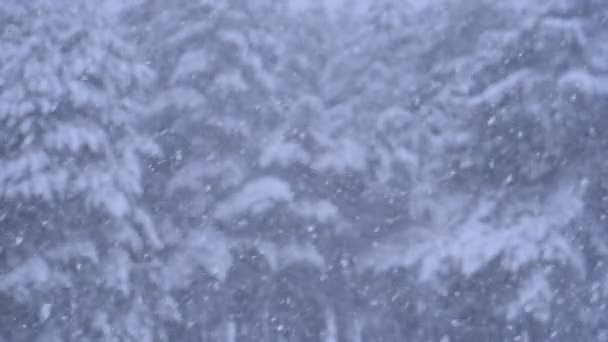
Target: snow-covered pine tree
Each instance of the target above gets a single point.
(532, 118)
(216, 103)
(215, 63)
(71, 99)
(71, 92)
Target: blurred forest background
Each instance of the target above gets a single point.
(232, 170)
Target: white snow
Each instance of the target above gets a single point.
(342, 155)
(195, 175)
(45, 311)
(322, 210)
(597, 51)
(33, 273)
(231, 81)
(331, 330)
(116, 270)
(75, 249)
(168, 309)
(495, 92)
(283, 153)
(76, 137)
(534, 297)
(283, 255)
(180, 98)
(191, 62)
(474, 243)
(206, 248)
(235, 38)
(582, 80)
(255, 197)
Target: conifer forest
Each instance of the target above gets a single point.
(303, 170)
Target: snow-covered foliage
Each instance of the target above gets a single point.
(247, 171)
(72, 95)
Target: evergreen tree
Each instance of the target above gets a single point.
(71, 97)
